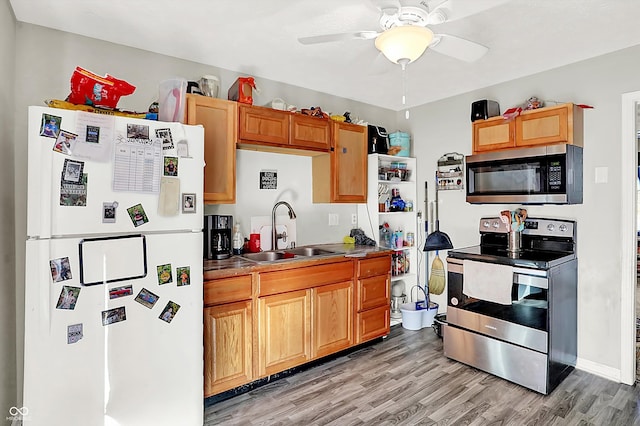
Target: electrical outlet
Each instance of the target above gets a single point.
(354, 219)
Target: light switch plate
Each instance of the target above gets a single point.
(602, 174)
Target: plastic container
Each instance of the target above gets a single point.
(411, 318)
(401, 139)
(428, 315)
(172, 99)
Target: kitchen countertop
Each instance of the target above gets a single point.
(237, 265)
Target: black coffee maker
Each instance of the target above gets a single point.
(217, 236)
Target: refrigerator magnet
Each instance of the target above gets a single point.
(109, 212)
(50, 125)
(188, 202)
(184, 275)
(116, 292)
(165, 136)
(182, 149)
(74, 333)
(112, 316)
(68, 298)
(169, 311)
(137, 215)
(65, 142)
(72, 171)
(137, 131)
(146, 298)
(171, 166)
(164, 274)
(60, 269)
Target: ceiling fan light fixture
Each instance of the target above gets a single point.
(404, 42)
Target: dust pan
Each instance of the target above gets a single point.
(437, 280)
(437, 240)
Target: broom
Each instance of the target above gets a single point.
(436, 279)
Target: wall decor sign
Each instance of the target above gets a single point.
(268, 179)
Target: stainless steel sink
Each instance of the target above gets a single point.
(277, 255)
(267, 256)
(309, 251)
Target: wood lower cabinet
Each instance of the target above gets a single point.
(227, 347)
(544, 126)
(332, 318)
(341, 177)
(228, 333)
(284, 331)
(373, 306)
(219, 119)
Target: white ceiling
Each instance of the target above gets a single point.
(259, 38)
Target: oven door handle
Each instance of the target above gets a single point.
(531, 280)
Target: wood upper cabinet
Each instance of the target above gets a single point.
(310, 132)
(227, 347)
(261, 124)
(341, 177)
(219, 119)
(332, 329)
(544, 126)
(284, 331)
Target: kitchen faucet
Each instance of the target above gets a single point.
(274, 233)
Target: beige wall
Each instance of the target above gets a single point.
(445, 126)
(8, 374)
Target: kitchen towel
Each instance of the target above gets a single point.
(487, 281)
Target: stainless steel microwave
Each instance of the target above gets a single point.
(550, 174)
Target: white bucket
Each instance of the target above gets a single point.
(411, 318)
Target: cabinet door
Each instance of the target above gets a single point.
(544, 126)
(332, 318)
(349, 163)
(284, 337)
(227, 347)
(373, 292)
(219, 119)
(373, 323)
(310, 132)
(260, 124)
(493, 134)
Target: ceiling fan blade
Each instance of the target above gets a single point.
(327, 38)
(457, 47)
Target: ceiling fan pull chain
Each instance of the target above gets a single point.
(403, 64)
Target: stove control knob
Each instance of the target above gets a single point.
(551, 227)
(454, 301)
(563, 228)
(485, 224)
(496, 224)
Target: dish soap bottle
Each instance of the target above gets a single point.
(238, 239)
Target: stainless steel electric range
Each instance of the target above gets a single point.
(513, 313)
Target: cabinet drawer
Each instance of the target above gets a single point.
(302, 278)
(376, 266)
(373, 292)
(226, 290)
(373, 323)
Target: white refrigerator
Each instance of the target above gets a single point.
(113, 281)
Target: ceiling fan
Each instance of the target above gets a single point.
(406, 34)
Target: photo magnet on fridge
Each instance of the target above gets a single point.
(72, 171)
(50, 125)
(188, 202)
(137, 131)
(170, 166)
(169, 311)
(111, 316)
(146, 298)
(164, 274)
(65, 142)
(68, 297)
(93, 134)
(184, 275)
(74, 333)
(137, 215)
(165, 135)
(74, 194)
(116, 292)
(109, 212)
(60, 269)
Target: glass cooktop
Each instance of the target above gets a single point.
(539, 259)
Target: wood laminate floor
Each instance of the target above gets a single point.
(406, 380)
